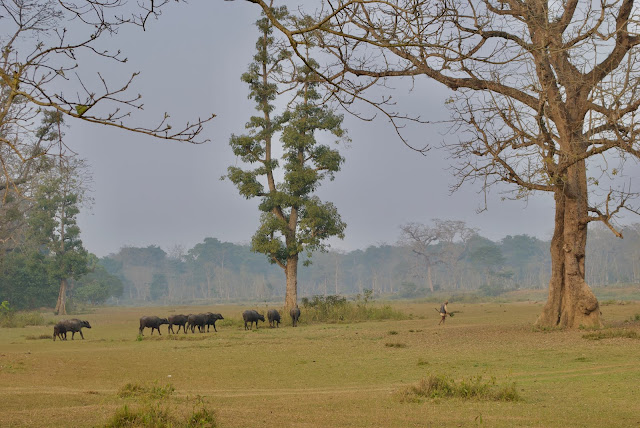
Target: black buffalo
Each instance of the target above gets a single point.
(250, 316)
(295, 315)
(196, 320)
(73, 325)
(274, 318)
(59, 331)
(179, 320)
(211, 320)
(152, 322)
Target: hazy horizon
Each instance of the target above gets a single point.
(154, 192)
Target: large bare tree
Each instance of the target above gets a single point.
(545, 99)
(433, 245)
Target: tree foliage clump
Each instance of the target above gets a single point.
(293, 219)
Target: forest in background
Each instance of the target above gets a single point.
(221, 271)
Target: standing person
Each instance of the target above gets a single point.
(443, 312)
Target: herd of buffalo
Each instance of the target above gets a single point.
(186, 322)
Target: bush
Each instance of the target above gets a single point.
(147, 417)
(11, 319)
(202, 418)
(157, 417)
(473, 388)
(338, 309)
(135, 389)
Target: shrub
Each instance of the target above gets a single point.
(202, 418)
(338, 309)
(150, 416)
(156, 417)
(473, 388)
(135, 389)
(12, 319)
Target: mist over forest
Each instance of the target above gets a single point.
(215, 271)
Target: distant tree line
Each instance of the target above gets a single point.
(221, 271)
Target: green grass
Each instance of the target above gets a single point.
(326, 374)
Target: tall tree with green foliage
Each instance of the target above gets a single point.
(293, 219)
(54, 228)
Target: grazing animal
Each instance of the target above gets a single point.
(250, 316)
(179, 320)
(73, 325)
(295, 315)
(152, 322)
(199, 320)
(211, 320)
(274, 318)
(59, 331)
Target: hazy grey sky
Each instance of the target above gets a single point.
(149, 191)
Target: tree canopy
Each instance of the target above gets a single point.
(293, 219)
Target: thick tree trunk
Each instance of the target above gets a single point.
(570, 303)
(429, 279)
(291, 271)
(61, 305)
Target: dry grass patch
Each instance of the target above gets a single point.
(395, 345)
(612, 334)
(40, 337)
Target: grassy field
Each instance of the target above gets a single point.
(328, 375)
